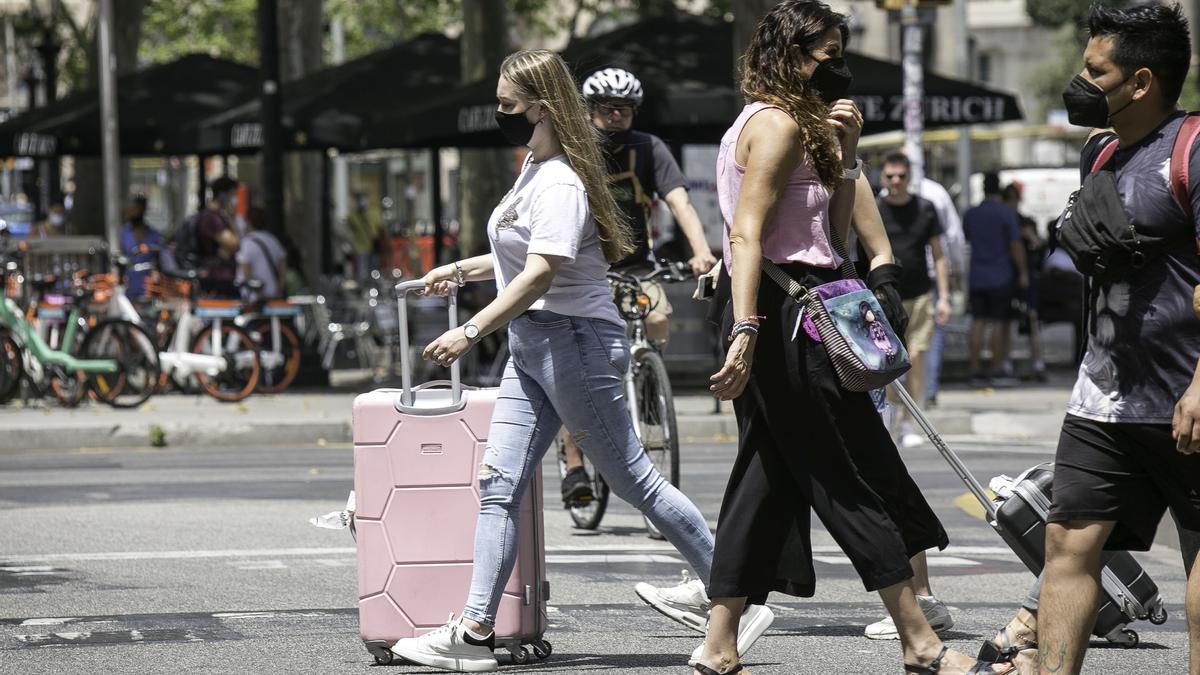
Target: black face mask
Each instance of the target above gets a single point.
(1087, 103)
(832, 79)
(616, 139)
(514, 126)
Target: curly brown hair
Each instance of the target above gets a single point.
(770, 72)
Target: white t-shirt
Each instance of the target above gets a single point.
(546, 212)
(262, 252)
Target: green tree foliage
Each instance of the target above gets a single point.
(173, 28)
(1057, 13)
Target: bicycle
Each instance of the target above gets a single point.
(647, 394)
(114, 359)
(222, 357)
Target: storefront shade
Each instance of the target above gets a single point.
(685, 63)
(156, 107)
(331, 108)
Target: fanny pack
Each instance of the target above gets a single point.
(845, 317)
(1095, 230)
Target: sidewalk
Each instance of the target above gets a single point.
(1023, 413)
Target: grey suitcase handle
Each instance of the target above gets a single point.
(408, 397)
(952, 459)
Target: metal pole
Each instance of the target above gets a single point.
(272, 131)
(914, 118)
(108, 126)
(341, 172)
(435, 194)
(964, 132)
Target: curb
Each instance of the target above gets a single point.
(693, 427)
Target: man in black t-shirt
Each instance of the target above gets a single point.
(912, 226)
(1130, 444)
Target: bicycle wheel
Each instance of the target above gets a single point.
(133, 348)
(69, 388)
(280, 368)
(242, 370)
(11, 368)
(586, 515)
(654, 409)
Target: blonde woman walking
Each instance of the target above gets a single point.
(552, 238)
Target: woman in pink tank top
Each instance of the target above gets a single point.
(786, 175)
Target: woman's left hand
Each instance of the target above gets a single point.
(448, 348)
(847, 122)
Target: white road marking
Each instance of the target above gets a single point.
(934, 561)
(607, 558)
(48, 621)
(27, 568)
(257, 564)
(173, 555)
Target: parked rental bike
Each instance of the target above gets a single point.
(647, 393)
(114, 359)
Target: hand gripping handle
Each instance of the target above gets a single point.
(407, 395)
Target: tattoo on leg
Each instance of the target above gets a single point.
(1050, 660)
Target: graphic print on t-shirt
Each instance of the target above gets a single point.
(1144, 338)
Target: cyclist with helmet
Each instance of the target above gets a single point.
(640, 166)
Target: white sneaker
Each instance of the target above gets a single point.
(450, 648)
(911, 440)
(756, 619)
(685, 602)
(936, 613)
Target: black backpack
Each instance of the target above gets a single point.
(185, 243)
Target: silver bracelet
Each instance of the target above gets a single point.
(854, 173)
(461, 279)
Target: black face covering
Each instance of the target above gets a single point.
(616, 139)
(1087, 103)
(514, 126)
(832, 79)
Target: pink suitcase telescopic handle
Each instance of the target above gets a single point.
(407, 394)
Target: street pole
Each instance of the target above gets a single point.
(914, 119)
(272, 126)
(110, 146)
(341, 172)
(964, 132)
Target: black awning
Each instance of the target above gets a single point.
(685, 63)
(331, 107)
(155, 107)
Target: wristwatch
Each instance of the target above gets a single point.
(853, 174)
(471, 331)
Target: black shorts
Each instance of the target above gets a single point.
(1126, 473)
(992, 304)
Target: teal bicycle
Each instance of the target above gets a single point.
(115, 360)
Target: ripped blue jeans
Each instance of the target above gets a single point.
(567, 371)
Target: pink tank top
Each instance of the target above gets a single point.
(799, 229)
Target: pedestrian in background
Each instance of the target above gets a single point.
(261, 258)
(365, 226)
(912, 226)
(54, 225)
(786, 175)
(1035, 257)
(135, 233)
(998, 269)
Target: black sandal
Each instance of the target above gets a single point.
(935, 666)
(705, 670)
(1006, 651)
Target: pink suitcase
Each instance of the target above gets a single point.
(416, 456)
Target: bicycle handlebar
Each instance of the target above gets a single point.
(669, 271)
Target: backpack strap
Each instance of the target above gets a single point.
(1180, 154)
(1106, 153)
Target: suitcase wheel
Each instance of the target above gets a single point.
(542, 649)
(384, 659)
(520, 655)
(1128, 639)
(1159, 616)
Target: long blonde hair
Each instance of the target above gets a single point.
(770, 72)
(541, 76)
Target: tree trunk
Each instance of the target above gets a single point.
(301, 37)
(747, 14)
(87, 210)
(484, 175)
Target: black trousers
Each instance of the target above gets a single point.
(806, 443)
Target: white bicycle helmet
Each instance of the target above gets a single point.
(613, 83)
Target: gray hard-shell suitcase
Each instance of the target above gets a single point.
(1130, 594)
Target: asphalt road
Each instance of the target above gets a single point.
(202, 560)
